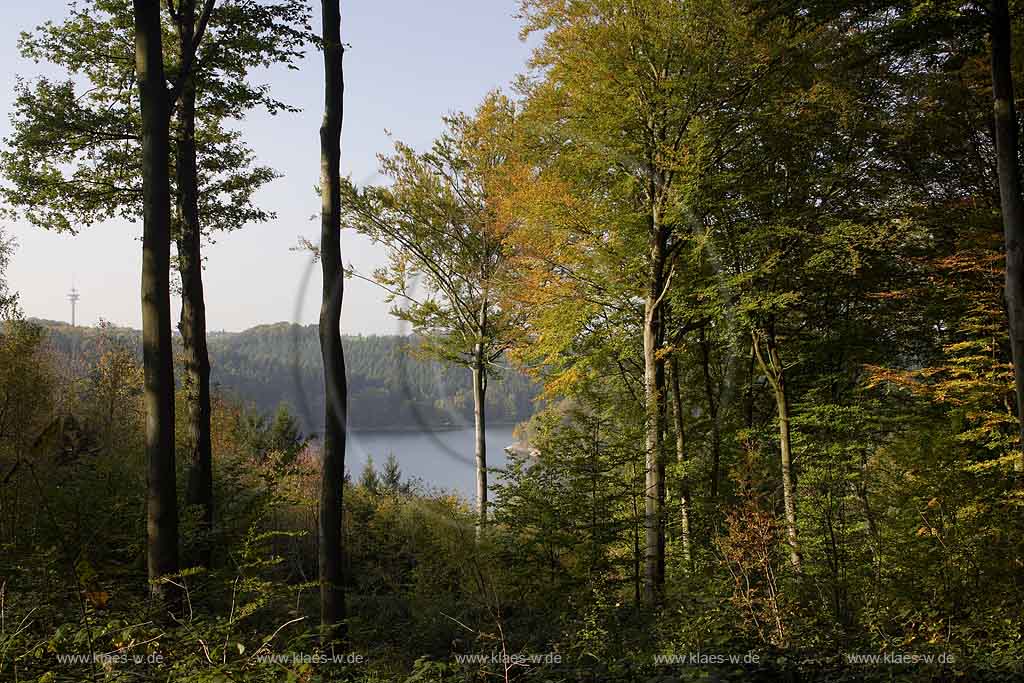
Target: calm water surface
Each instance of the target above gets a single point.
(443, 460)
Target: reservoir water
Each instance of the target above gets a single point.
(442, 460)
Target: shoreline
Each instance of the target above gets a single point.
(421, 430)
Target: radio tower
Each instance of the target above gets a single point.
(73, 297)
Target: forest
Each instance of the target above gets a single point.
(270, 367)
(761, 261)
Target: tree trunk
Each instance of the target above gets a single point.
(332, 589)
(772, 367)
(199, 491)
(480, 425)
(684, 484)
(1011, 202)
(654, 391)
(596, 511)
(636, 539)
(748, 408)
(716, 435)
(788, 488)
(861, 489)
(161, 495)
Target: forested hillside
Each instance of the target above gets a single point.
(391, 387)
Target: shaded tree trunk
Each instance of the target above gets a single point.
(748, 407)
(684, 484)
(192, 325)
(860, 488)
(771, 365)
(654, 392)
(161, 495)
(637, 582)
(1011, 202)
(332, 589)
(596, 513)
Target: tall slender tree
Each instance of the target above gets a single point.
(1004, 112)
(199, 489)
(72, 153)
(154, 100)
(654, 88)
(679, 419)
(773, 368)
(441, 222)
(332, 589)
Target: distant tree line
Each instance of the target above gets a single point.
(390, 387)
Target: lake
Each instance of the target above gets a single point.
(443, 459)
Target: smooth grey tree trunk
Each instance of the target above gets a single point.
(480, 434)
(774, 371)
(788, 488)
(1011, 202)
(192, 325)
(331, 551)
(161, 495)
(684, 484)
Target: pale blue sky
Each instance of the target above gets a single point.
(409, 63)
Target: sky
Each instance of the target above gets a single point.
(409, 63)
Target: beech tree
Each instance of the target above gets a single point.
(1006, 129)
(71, 157)
(332, 474)
(154, 104)
(199, 489)
(653, 88)
(441, 223)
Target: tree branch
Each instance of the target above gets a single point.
(190, 58)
